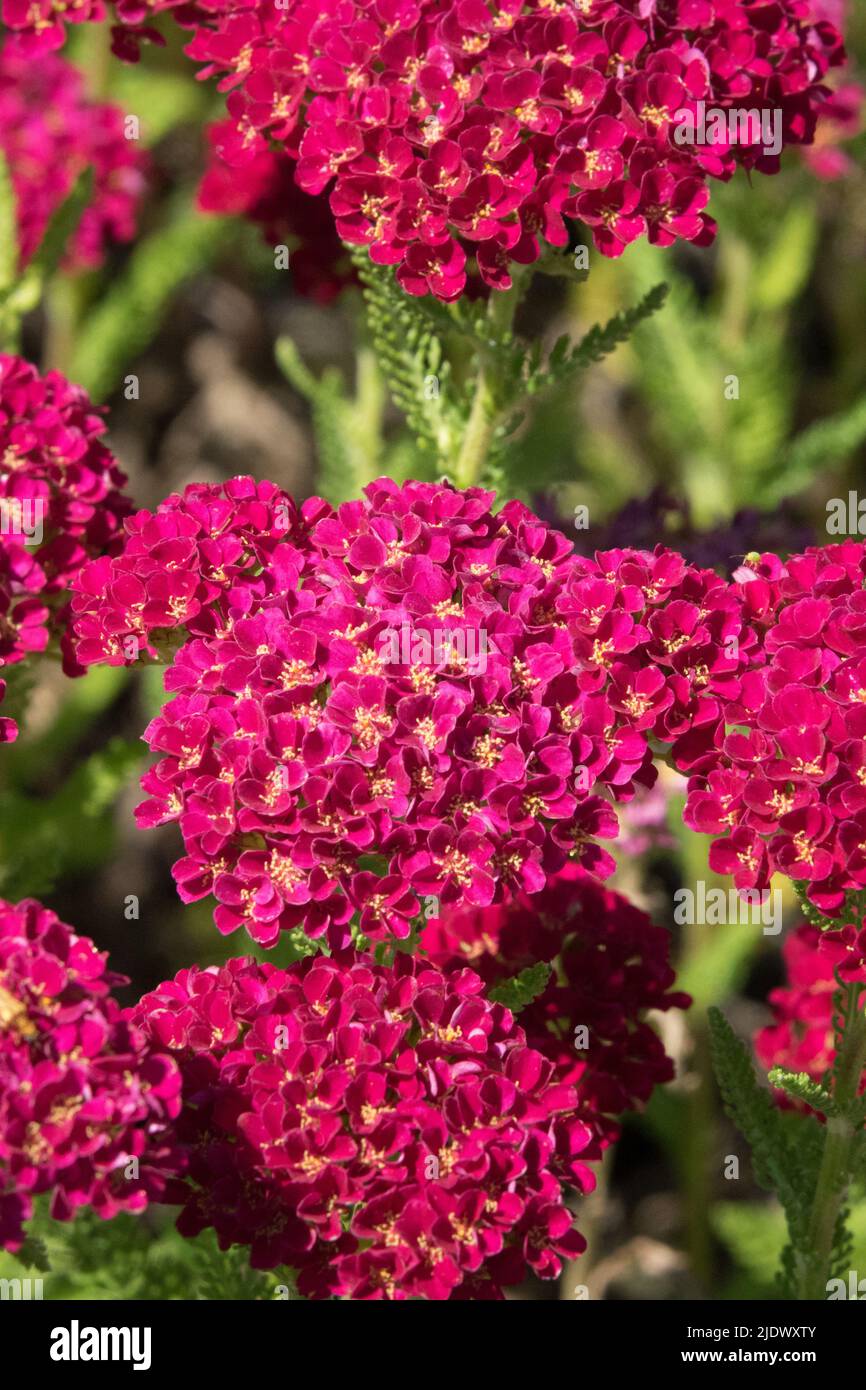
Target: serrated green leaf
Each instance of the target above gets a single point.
(818, 447)
(347, 430)
(34, 1255)
(800, 1086)
(603, 338)
(405, 336)
(789, 1170)
(521, 989)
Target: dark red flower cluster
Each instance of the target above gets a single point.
(61, 504)
(610, 965)
(450, 127)
(264, 191)
(49, 133)
(802, 1036)
(785, 787)
(85, 1101)
(385, 1131)
(409, 696)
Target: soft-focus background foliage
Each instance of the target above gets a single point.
(194, 308)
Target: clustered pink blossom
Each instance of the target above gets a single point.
(83, 1097)
(784, 789)
(385, 1131)
(61, 504)
(448, 128)
(841, 121)
(802, 1036)
(50, 131)
(645, 821)
(337, 745)
(842, 112)
(264, 191)
(610, 965)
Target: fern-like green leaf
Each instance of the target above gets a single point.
(226, 1275)
(800, 1086)
(786, 1168)
(519, 375)
(521, 989)
(347, 431)
(748, 1106)
(817, 448)
(603, 338)
(33, 1254)
(405, 335)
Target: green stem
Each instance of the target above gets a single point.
(834, 1175)
(484, 416)
(697, 1161)
(697, 1152)
(479, 429)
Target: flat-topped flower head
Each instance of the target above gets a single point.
(454, 134)
(385, 1131)
(409, 697)
(50, 131)
(785, 788)
(85, 1099)
(61, 504)
(802, 1036)
(610, 965)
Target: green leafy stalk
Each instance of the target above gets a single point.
(484, 415)
(814, 1266)
(406, 338)
(348, 430)
(754, 1114)
(463, 379)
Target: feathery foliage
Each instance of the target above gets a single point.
(522, 989)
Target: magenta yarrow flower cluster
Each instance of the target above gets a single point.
(610, 965)
(264, 191)
(61, 504)
(785, 789)
(49, 133)
(85, 1100)
(802, 1036)
(408, 697)
(385, 1131)
(450, 128)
